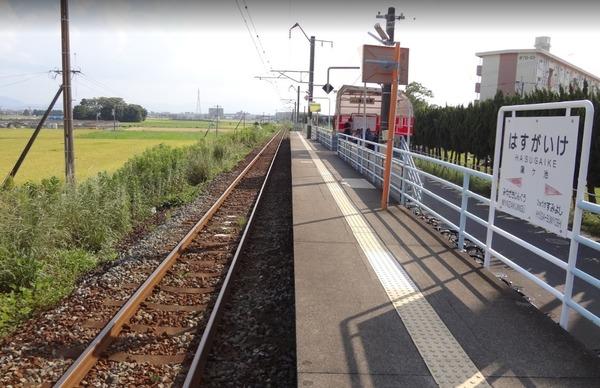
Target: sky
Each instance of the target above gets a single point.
(160, 53)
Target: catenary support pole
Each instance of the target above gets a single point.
(391, 129)
(311, 78)
(298, 107)
(67, 99)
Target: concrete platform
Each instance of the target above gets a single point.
(350, 333)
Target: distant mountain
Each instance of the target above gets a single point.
(11, 103)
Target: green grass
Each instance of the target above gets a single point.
(52, 233)
(192, 124)
(95, 151)
(146, 135)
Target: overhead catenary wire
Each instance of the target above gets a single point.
(251, 35)
(256, 41)
(262, 47)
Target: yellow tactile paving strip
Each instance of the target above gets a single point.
(448, 363)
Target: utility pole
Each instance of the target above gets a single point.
(67, 112)
(386, 89)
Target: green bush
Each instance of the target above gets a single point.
(52, 233)
(219, 152)
(199, 166)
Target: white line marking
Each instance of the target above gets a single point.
(447, 361)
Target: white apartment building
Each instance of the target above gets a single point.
(522, 71)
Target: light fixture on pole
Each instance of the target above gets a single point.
(311, 71)
(381, 32)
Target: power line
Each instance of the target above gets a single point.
(102, 85)
(94, 88)
(20, 81)
(21, 74)
(356, 79)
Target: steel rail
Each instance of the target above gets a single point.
(88, 358)
(194, 375)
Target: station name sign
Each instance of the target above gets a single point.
(362, 100)
(537, 168)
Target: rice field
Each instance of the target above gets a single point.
(95, 150)
(185, 125)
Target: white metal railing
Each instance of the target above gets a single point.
(413, 173)
(326, 136)
(368, 159)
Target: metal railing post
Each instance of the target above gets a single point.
(403, 186)
(463, 211)
(577, 217)
(360, 149)
(487, 258)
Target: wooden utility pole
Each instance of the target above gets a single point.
(386, 93)
(390, 130)
(66, 76)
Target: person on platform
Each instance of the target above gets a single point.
(370, 136)
(348, 127)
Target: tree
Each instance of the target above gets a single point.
(418, 95)
(90, 107)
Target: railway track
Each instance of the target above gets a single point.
(167, 324)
